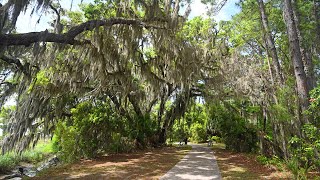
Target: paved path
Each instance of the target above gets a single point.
(199, 163)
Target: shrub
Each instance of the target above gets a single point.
(216, 139)
(305, 151)
(297, 171)
(237, 132)
(239, 135)
(273, 161)
(66, 142)
(94, 128)
(262, 159)
(7, 162)
(121, 144)
(198, 132)
(31, 156)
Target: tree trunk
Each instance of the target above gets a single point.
(167, 6)
(305, 51)
(283, 139)
(316, 17)
(270, 41)
(294, 45)
(265, 118)
(163, 136)
(176, 111)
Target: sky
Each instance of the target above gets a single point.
(199, 9)
(27, 23)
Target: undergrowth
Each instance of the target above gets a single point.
(10, 160)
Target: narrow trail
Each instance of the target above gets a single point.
(199, 163)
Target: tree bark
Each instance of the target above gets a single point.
(16, 62)
(294, 45)
(270, 41)
(305, 51)
(167, 7)
(27, 39)
(283, 139)
(176, 9)
(176, 111)
(316, 17)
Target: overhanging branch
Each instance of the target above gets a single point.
(16, 62)
(69, 37)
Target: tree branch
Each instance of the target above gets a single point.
(69, 37)
(16, 62)
(135, 105)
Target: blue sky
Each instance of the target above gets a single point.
(27, 23)
(199, 9)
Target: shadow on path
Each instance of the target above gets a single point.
(199, 163)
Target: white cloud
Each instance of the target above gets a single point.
(199, 9)
(27, 23)
(228, 11)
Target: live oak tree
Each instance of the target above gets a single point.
(125, 51)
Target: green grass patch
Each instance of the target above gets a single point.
(218, 146)
(272, 162)
(41, 151)
(184, 147)
(8, 161)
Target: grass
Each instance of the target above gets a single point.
(9, 160)
(146, 164)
